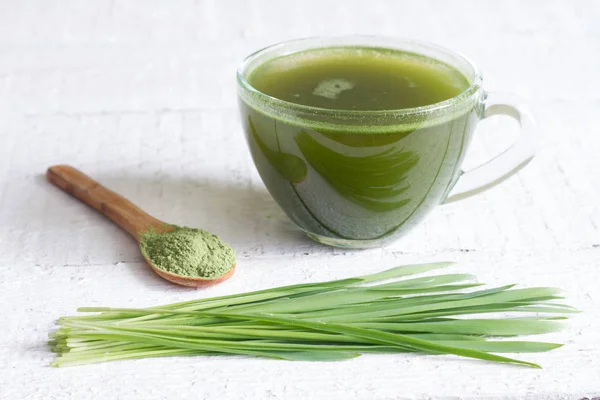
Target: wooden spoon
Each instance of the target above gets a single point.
(122, 212)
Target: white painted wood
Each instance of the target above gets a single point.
(141, 95)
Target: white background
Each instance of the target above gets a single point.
(141, 95)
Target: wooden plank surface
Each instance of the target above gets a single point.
(141, 95)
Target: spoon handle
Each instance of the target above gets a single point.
(120, 210)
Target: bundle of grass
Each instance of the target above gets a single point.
(387, 312)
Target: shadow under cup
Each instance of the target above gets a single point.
(358, 179)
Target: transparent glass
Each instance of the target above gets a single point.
(358, 179)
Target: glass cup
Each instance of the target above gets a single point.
(358, 179)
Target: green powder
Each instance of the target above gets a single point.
(188, 252)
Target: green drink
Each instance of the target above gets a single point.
(357, 143)
(358, 78)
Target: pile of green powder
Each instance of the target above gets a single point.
(188, 252)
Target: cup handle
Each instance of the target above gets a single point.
(510, 161)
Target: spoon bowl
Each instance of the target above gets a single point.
(125, 214)
(189, 281)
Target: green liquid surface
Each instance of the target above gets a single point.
(358, 79)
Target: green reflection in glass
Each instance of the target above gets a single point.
(291, 167)
(374, 181)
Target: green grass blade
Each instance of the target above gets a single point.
(504, 296)
(402, 341)
(424, 282)
(342, 314)
(504, 346)
(404, 270)
(489, 327)
(421, 290)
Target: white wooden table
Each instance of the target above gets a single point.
(141, 95)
